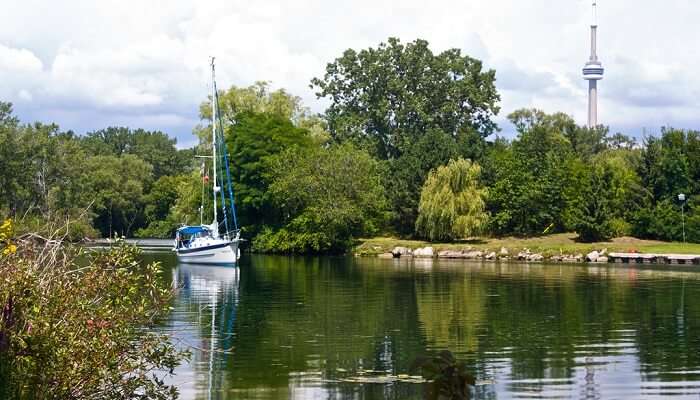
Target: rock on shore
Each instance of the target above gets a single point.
(468, 253)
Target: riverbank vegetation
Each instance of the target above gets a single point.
(547, 245)
(397, 113)
(73, 324)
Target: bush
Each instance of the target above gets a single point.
(328, 196)
(284, 241)
(664, 222)
(72, 324)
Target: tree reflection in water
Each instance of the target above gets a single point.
(299, 327)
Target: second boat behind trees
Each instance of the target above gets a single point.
(216, 243)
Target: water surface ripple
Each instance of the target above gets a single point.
(350, 328)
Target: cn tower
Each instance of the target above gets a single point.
(593, 72)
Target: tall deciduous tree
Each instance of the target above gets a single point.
(328, 196)
(116, 184)
(452, 202)
(156, 148)
(259, 99)
(384, 98)
(406, 174)
(530, 176)
(252, 141)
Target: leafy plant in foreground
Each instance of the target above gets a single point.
(74, 325)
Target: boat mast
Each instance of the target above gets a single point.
(213, 142)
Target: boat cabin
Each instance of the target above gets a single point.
(186, 236)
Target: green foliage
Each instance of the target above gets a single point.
(98, 183)
(259, 99)
(664, 221)
(116, 186)
(158, 203)
(528, 177)
(155, 148)
(411, 110)
(592, 218)
(383, 99)
(671, 163)
(74, 328)
(406, 175)
(252, 141)
(452, 203)
(327, 197)
(254, 99)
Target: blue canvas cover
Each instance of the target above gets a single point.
(192, 230)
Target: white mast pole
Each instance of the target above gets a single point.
(213, 143)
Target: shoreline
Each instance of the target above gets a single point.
(561, 247)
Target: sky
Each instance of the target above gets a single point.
(87, 65)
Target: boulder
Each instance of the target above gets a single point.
(535, 257)
(401, 251)
(592, 256)
(490, 256)
(450, 254)
(474, 254)
(603, 259)
(386, 255)
(504, 251)
(426, 252)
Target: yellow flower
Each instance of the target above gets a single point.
(9, 249)
(5, 234)
(6, 228)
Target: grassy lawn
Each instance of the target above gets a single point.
(561, 243)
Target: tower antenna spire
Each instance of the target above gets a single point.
(594, 19)
(593, 70)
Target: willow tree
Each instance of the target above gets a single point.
(452, 202)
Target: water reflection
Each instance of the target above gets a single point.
(285, 327)
(206, 314)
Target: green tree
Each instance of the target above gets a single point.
(452, 202)
(251, 142)
(406, 175)
(327, 197)
(384, 98)
(670, 164)
(156, 148)
(592, 217)
(259, 99)
(158, 202)
(529, 177)
(116, 187)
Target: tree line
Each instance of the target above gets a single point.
(408, 146)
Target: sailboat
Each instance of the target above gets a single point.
(209, 244)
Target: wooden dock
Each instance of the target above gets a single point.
(646, 258)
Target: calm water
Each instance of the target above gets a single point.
(281, 328)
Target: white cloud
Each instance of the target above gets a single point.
(88, 64)
(18, 60)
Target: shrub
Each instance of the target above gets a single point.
(74, 325)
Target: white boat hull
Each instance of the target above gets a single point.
(221, 253)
